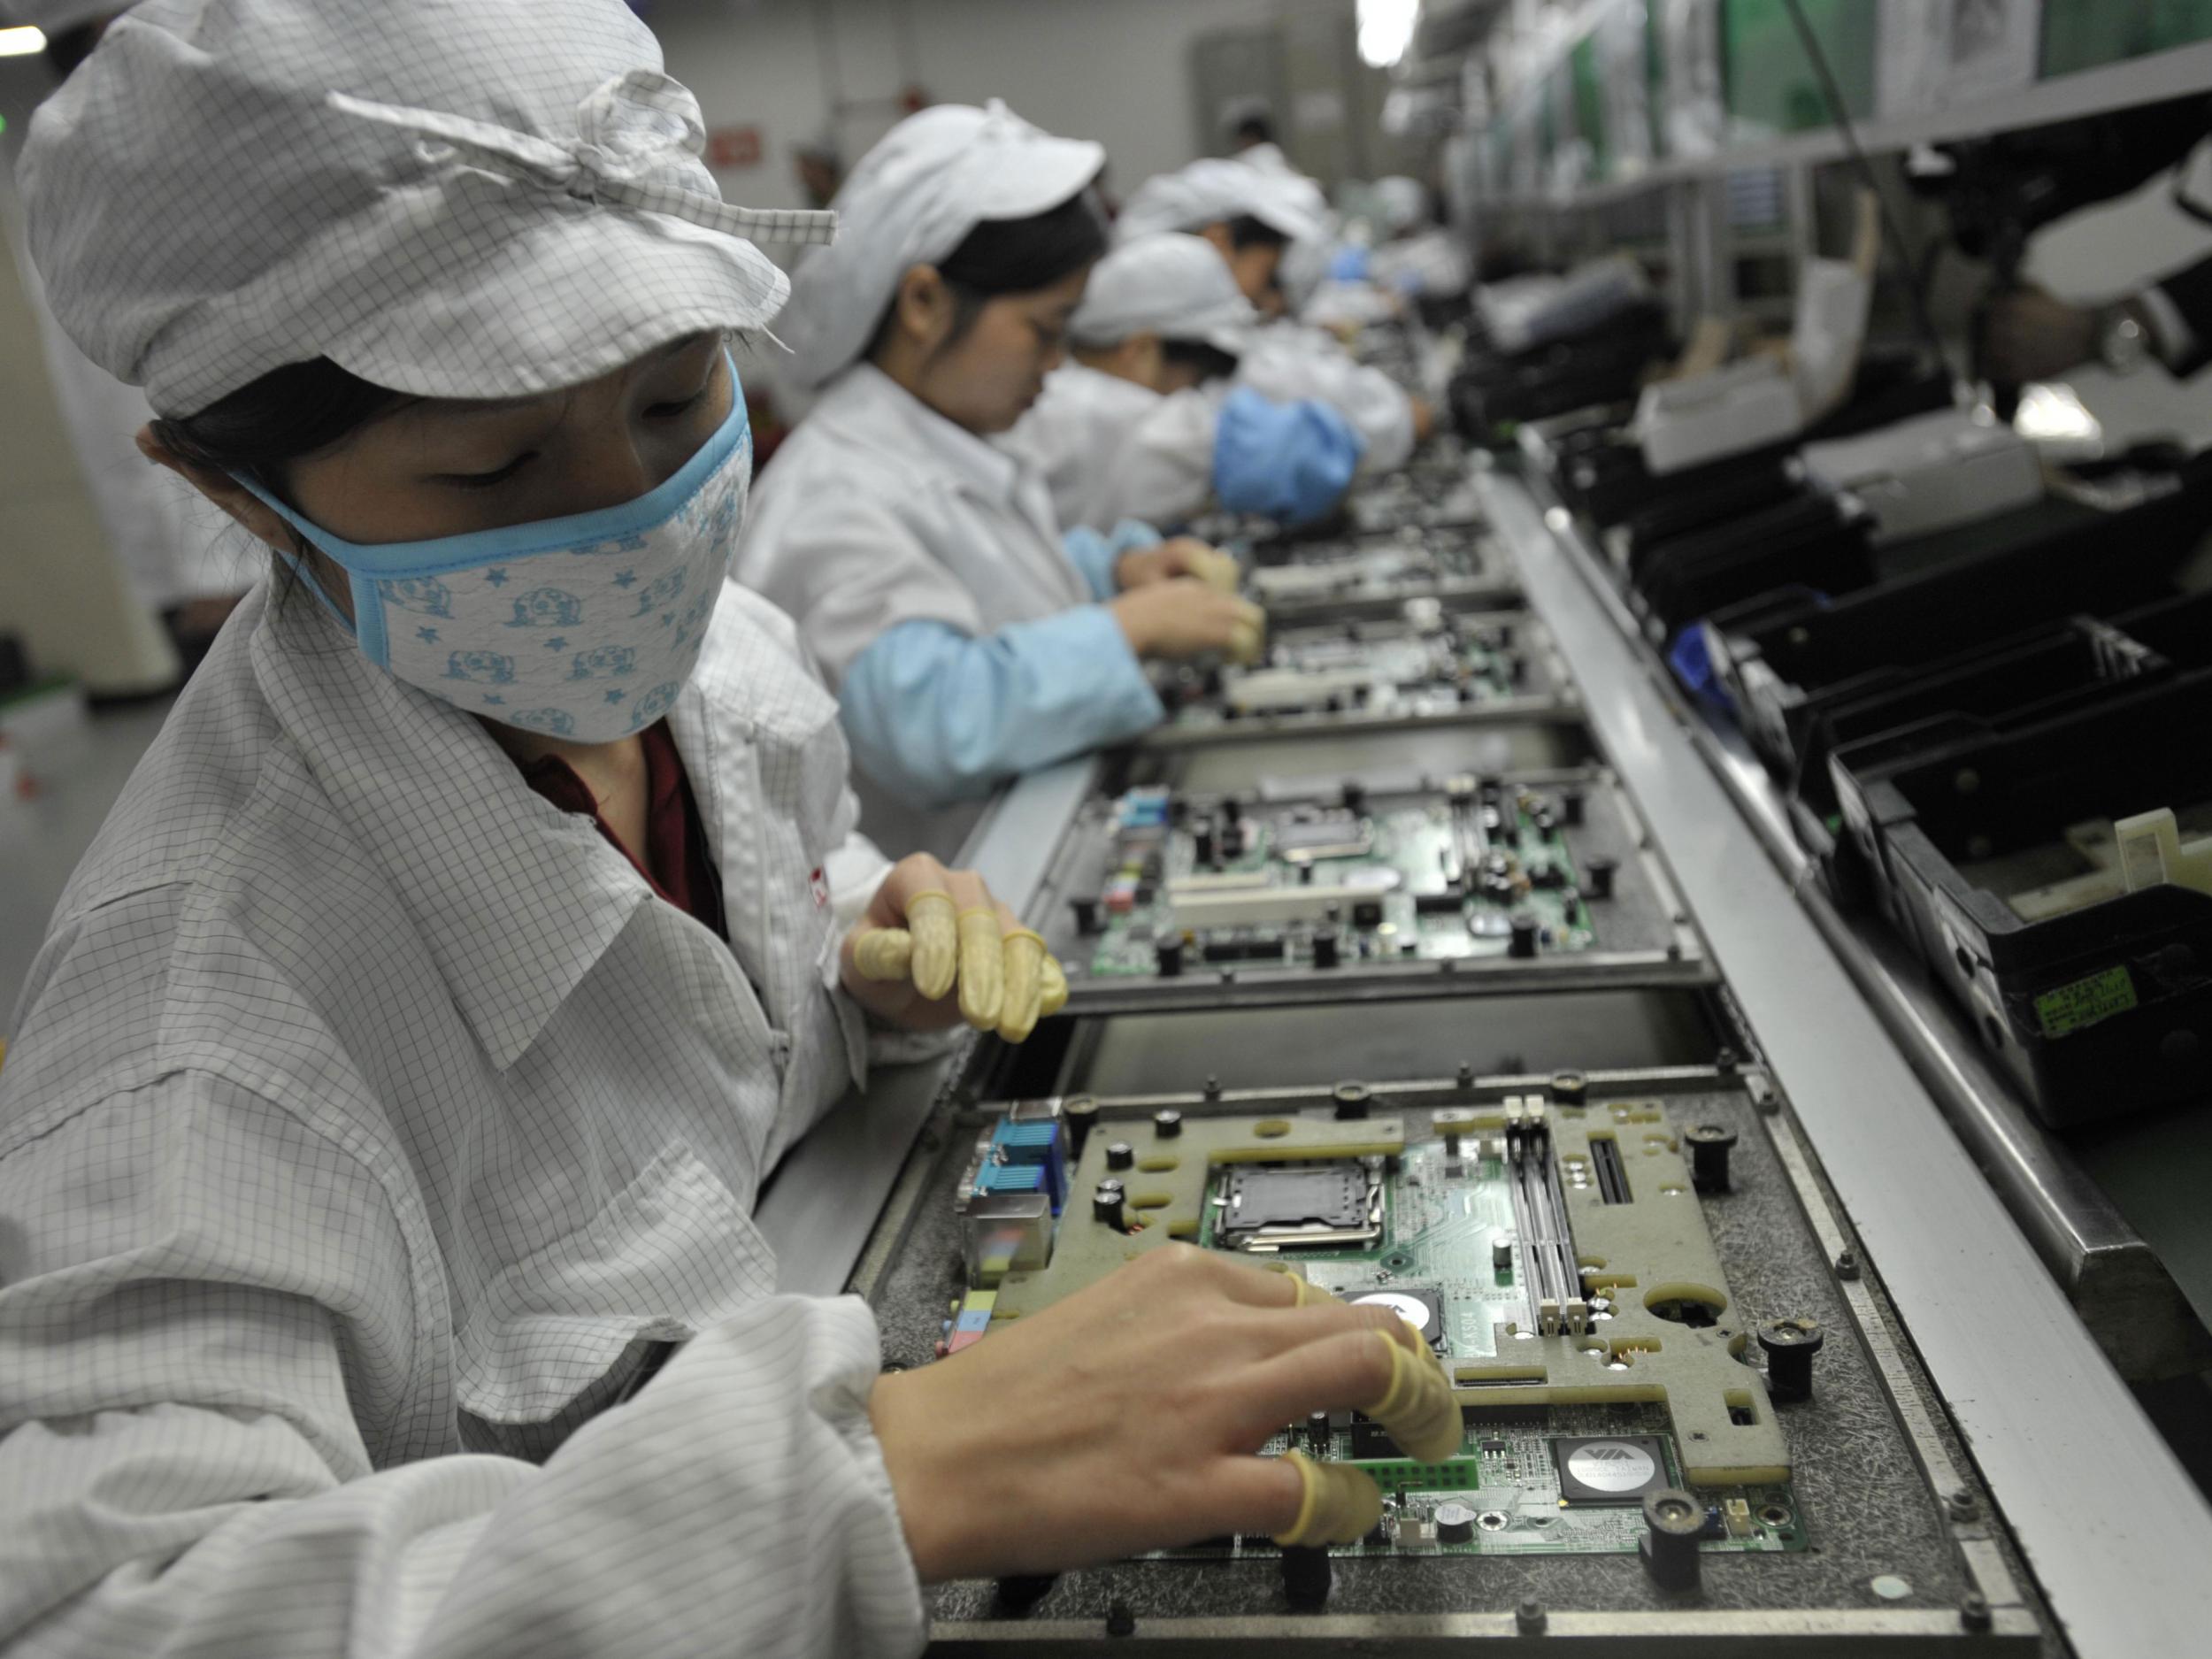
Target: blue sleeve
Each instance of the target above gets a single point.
(939, 716)
(1289, 461)
(1095, 555)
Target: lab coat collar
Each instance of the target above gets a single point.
(516, 899)
(869, 403)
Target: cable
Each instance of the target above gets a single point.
(1891, 232)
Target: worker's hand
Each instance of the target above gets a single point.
(935, 949)
(1184, 618)
(1424, 418)
(1125, 1417)
(1179, 556)
(2028, 334)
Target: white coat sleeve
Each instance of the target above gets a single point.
(1286, 371)
(185, 1474)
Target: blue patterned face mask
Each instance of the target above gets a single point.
(584, 627)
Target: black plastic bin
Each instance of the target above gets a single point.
(2100, 1011)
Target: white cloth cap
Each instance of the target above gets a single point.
(489, 199)
(1170, 284)
(912, 200)
(1209, 191)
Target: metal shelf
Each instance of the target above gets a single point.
(2137, 81)
(2018, 1368)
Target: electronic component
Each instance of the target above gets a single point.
(1275, 1207)
(1417, 1305)
(1610, 1469)
(1454, 1522)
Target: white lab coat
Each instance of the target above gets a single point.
(1111, 450)
(368, 1119)
(878, 510)
(1287, 361)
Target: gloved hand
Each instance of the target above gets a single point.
(1417, 1410)
(929, 933)
(1179, 556)
(1184, 618)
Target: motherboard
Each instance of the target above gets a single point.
(1372, 575)
(1678, 1427)
(1549, 1253)
(1171, 894)
(1429, 664)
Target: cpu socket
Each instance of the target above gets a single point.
(1301, 1206)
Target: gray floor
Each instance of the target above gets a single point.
(42, 838)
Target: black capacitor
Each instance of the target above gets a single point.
(1232, 839)
(1492, 820)
(1597, 877)
(1571, 803)
(1709, 1145)
(1354, 796)
(1326, 949)
(1367, 913)
(1203, 840)
(1168, 954)
(1491, 791)
(1544, 819)
(1305, 875)
(1085, 915)
(1120, 1154)
(1306, 1576)
(1167, 1123)
(1523, 942)
(1455, 1523)
(1081, 1114)
(1789, 1346)
(1673, 1521)
(1466, 691)
(1504, 633)
(1516, 668)
(1107, 1199)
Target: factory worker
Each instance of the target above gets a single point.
(968, 638)
(390, 1095)
(1142, 422)
(1253, 217)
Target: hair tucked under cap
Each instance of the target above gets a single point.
(911, 201)
(492, 199)
(1170, 284)
(1214, 191)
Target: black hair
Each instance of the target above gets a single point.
(1211, 362)
(1011, 255)
(265, 425)
(1256, 127)
(1247, 231)
(67, 48)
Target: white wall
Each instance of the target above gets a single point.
(1116, 71)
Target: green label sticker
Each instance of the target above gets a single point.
(2072, 1007)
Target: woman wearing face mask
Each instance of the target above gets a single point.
(387, 1103)
(1143, 421)
(969, 640)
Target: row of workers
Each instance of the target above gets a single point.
(1006, 411)
(387, 1106)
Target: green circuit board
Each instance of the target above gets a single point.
(1415, 879)
(1383, 671)
(1480, 1227)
